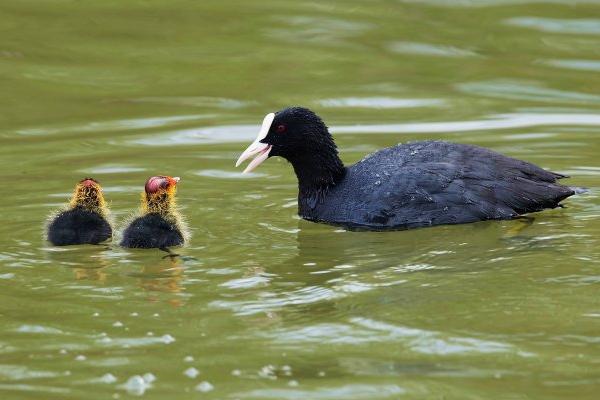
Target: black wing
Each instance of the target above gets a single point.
(432, 183)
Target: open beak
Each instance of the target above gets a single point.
(262, 149)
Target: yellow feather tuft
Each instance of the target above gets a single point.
(89, 198)
(164, 203)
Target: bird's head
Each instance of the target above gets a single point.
(159, 194)
(296, 134)
(88, 195)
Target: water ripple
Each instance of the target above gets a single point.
(525, 90)
(583, 65)
(379, 102)
(39, 329)
(115, 125)
(316, 30)
(222, 174)
(307, 295)
(244, 133)
(18, 372)
(345, 392)
(427, 49)
(365, 330)
(195, 101)
(557, 25)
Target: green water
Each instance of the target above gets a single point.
(262, 304)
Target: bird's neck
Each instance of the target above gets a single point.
(95, 204)
(165, 205)
(158, 203)
(317, 173)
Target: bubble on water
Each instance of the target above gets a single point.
(118, 324)
(204, 387)
(149, 377)
(293, 383)
(268, 371)
(149, 333)
(188, 359)
(321, 373)
(156, 315)
(191, 372)
(134, 314)
(105, 340)
(136, 385)
(236, 372)
(63, 351)
(96, 314)
(80, 357)
(167, 339)
(108, 378)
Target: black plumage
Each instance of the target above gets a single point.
(151, 231)
(78, 226)
(409, 185)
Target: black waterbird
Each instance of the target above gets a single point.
(405, 186)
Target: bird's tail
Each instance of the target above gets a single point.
(579, 190)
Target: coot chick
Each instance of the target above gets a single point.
(405, 186)
(160, 225)
(85, 220)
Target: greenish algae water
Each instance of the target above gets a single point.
(262, 305)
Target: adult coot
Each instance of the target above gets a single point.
(159, 224)
(85, 220)
(406, 186)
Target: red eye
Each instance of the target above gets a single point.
(281, 128)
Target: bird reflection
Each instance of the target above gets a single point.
(92, 274)
(152, 271)
(328, 256)
(87, 262)
(163, 276)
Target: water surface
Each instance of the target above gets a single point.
(262, 305)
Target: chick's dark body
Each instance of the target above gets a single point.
(78, 226)
(432, 183)
(152, 231)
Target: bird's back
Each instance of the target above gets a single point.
(151, 231)
(78, 226)
(433, 183)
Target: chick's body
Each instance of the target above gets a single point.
(160, 224)
(84, 221)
